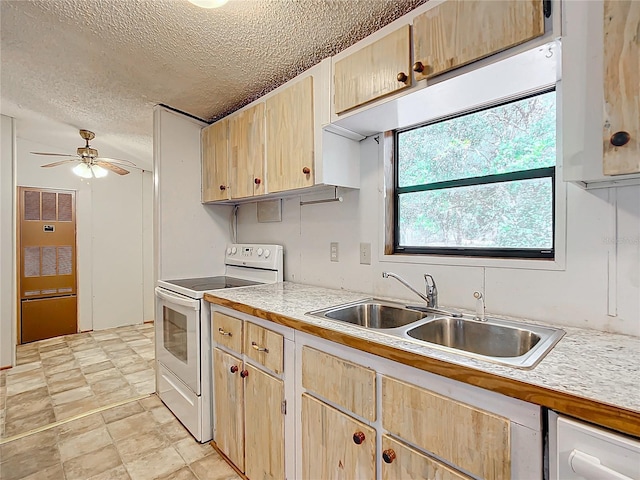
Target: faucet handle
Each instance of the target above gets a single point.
(430, 283)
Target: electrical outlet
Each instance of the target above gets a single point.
(365, 254)
(333, 251)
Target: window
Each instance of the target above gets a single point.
(480, 183)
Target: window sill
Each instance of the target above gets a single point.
(557, 264)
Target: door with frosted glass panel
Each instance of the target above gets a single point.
(46, 263)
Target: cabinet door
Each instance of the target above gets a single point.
(264, 425)
(290, 137)
(467, 437)
(328, 447)
(228, 411)
(378, 69)
(246, 147)
(400, 462)
(621, 87)
(458, 32)
(215, 162)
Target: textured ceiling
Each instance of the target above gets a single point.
(104, 64)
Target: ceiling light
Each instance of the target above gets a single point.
(88, 171)
(209, 3)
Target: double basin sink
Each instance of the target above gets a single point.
(501, 341)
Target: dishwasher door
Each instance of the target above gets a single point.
(579, 451)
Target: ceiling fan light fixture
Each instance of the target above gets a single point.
(98, 171)
(82, 170)
(209, 3)
(89, 171)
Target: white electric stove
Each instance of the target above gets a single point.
(183, 332)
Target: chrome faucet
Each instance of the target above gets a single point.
(431, 298)
(479, 307)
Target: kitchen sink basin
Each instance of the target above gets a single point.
(506, 342)
(476, 337)
(372, 313)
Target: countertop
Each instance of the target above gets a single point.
(591, 375)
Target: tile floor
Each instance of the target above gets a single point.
(58, 386)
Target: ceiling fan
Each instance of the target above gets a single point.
(91, 165)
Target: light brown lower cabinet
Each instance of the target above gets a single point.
(229, 401)
(400, 462)
(264, 425)
(472, 439)
(334, 445)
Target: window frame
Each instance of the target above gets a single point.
(509, 253)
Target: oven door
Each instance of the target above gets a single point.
(178, 336)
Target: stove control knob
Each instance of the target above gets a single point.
(234, 250)
(267, 252)
(228, 250)
(259, 252)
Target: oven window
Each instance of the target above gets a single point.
(174, 326)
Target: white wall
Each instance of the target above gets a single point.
(191, 237)
(7, 288)
(112, 238)
(581, 295)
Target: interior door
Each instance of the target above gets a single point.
(47, 263)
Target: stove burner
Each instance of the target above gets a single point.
(211, 283)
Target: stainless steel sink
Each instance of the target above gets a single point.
(372, 313)
(506, 342)
(502, 341)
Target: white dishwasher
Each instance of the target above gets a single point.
(579, 451)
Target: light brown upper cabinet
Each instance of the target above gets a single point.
(458, 32)
(215, 162)
(621, 131)
(380, 68)
(290, 136)
(246, 150)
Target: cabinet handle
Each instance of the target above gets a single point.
(388, 455)
(358, 438)
(234, 368)
(257, 347)
(418, 67)
(402, 77)
(257, 181)
(620, 139)
(306, 170)
(223, 187)
(223, 333)
(244, 373)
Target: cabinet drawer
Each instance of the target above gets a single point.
(264, 346)
(472, 439)
(402, 462)
(227, 331)
(349, 385)
(334, 445)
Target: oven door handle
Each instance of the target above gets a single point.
(179, 300)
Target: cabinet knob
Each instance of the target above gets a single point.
(358, 438)
(234, 368)
(418, 67)
(223, 187)
(244, 373)
(402, 77)
(257, 181)
(388, 455)
(306, 170)
(620, 139)
(223, 333)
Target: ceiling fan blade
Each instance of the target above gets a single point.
(115, 160)
(54, 154)
(62, 162)
(112, 167)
